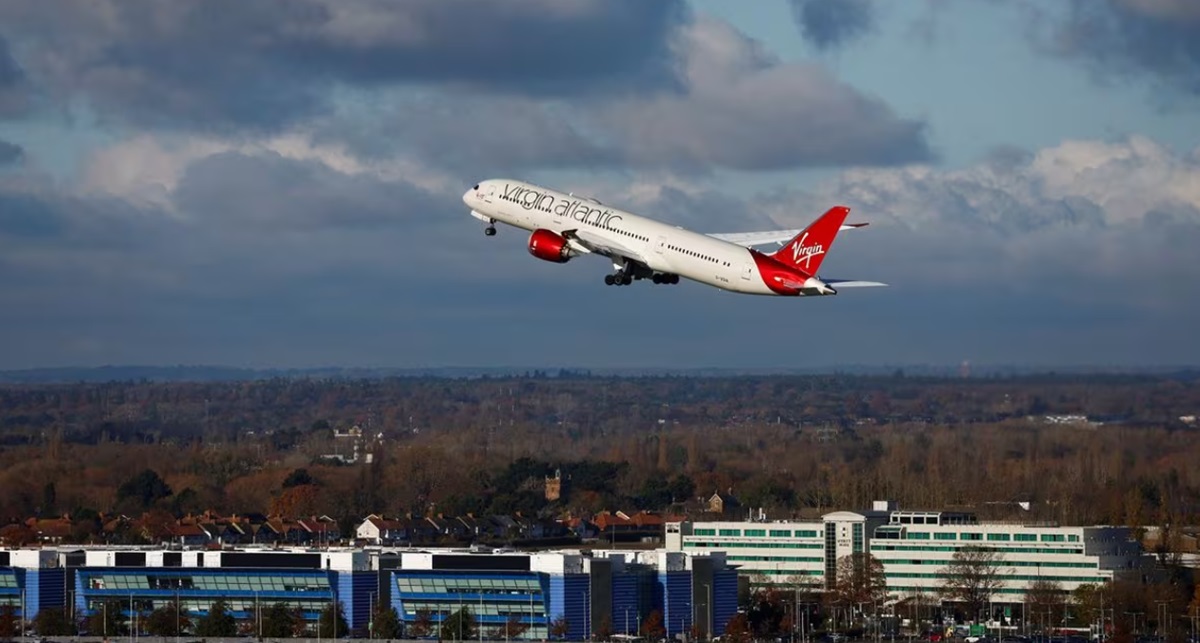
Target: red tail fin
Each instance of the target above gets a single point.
(807, 250)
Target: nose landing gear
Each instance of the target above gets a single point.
(490, 231)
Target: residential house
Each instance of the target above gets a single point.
(383, 531)
(724, 504)
(322, 530)
(450, 528)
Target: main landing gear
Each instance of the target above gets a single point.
(624, 278)
(490, 231)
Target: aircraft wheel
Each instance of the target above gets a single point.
(609, 280)
(490, 231)
(626, 280)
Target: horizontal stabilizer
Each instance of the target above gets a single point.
(853, 283)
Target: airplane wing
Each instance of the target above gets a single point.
(749, 239)
(598, 244)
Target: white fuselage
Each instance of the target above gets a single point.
(663, 248)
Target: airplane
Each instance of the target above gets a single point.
(565, 225)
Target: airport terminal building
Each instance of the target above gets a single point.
(567, 594)
(914, 548)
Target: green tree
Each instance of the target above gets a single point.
(297, 478)
(332, 622)
(107, 619)
(385, 622)
(459, 626)
(682, 488)
(278, 622)
(54, 621)
(217, 623)
(168, 620)
(143, 490)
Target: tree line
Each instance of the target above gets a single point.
(789, 445)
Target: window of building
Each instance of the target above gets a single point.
(997, 536)
(729, 532)
(756, 533)
(944, 535)
(781, 533)
(967, 535)
(1025, 537)
(918, 535)
(705, 532)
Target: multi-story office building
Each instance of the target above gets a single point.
(584, 595)
(915, 548)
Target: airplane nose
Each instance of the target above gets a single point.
(469, 195)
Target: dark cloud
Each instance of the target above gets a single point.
(477, 136)
(831, 23)
(1134, 38)
(213, 63)
(738, 106)
(746, 110)
(13, 98)
(264, 260)
(272, 193)
(10, 153)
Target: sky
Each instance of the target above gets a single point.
(277, 184)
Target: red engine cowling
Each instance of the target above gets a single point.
(549, 246)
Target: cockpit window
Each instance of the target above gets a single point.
(476, 187)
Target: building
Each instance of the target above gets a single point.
(585, 595)
(565, 594)
(914, 547)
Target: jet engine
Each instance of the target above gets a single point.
(549, 246)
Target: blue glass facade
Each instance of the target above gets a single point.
(356, 591)
(536, 592)
(197, 589)
(676, 588)
(725, 599)
(493, 599)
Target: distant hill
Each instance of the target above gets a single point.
(217, 373)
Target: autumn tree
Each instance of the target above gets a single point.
(737, 630)
(301, 500)
(653, 625)
(422, 625)
(510, 629)
(972, 577)
(560, 628)
(859, 580)
(8, 622)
